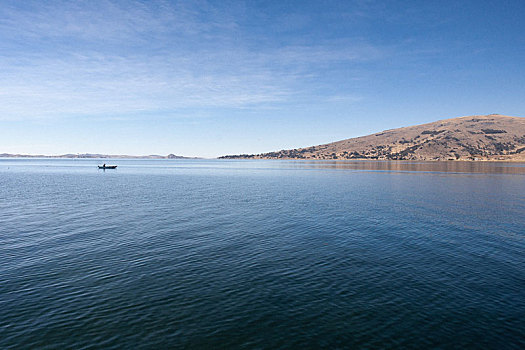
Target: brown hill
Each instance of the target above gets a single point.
(488, 137)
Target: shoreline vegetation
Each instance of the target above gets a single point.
(492, 137)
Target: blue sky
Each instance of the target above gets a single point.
(208, 78)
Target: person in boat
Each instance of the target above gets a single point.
(104, 165)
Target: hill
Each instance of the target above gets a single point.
(487, 137)
(94, 156)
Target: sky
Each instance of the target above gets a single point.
(209, 78)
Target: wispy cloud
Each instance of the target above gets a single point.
(64, 59)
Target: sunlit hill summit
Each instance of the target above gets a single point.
(485, 137)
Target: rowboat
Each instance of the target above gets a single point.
(107, 167)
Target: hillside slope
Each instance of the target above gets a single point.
(488, 137)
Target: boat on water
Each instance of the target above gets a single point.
(107, 166)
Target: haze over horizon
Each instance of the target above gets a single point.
(209, 78)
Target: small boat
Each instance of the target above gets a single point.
(107, 166)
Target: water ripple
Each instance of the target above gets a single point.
(233, 255)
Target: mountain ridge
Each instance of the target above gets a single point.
(94, 156)
(478, 137)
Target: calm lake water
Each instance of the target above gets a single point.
(261, 254)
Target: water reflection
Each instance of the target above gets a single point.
(446, 167)
(168, 166)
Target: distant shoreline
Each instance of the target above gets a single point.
(94, 156)
(382, 160)
(155, 157)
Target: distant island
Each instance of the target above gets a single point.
(95, 155)
(473, 138)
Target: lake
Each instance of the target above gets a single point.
(221, 254)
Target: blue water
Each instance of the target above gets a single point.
(261, 254)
